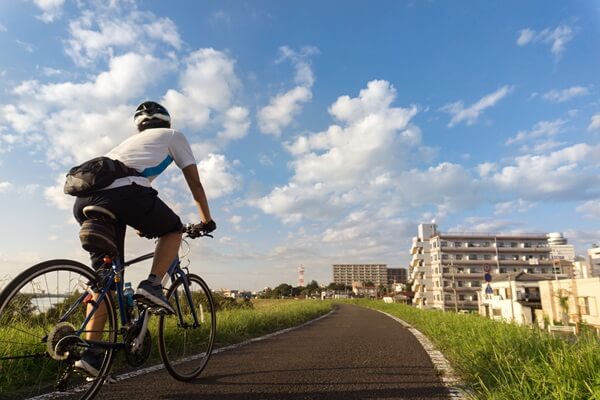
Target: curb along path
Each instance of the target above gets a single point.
(354, 353)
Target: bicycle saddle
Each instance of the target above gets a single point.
(97, 212)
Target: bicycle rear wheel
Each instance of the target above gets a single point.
(185, 347)
(41, 317)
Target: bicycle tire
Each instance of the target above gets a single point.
(30, 308)
(186, 358)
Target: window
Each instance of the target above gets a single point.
(497, 312)
(485, 244)
(470, 244)
(584, 305)
(475, 270)
(447, 284)
(502, 270)
(444, 256)
(499, 244)
(502, 257)
(447, 297)
(457, 244)
(461, 284)
(446, 270)
(458, 256)
(472, 256)
(487, 256)
(513, 244)
(444, 243)
(515, 257)
(461, 297)
(475, 284)
(527, 245)
(544, 270)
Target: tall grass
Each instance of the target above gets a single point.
(267, 316)
(502, 361)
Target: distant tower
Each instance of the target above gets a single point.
(301, 276)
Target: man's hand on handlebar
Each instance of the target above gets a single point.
(201, 229)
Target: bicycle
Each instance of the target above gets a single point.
(44, 312)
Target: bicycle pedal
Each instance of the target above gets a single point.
(158, 311)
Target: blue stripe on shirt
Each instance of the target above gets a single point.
(153, 171)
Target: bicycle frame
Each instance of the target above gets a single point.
(115, 275)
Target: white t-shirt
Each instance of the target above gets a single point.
(150, 152)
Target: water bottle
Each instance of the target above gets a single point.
(128, 295)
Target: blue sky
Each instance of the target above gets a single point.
(325, 132)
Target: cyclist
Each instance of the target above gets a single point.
(134, 202)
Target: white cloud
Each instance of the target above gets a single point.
(282, 110)
(236, 124)
(568, 173)
(5, 187)
(236, 219)
(217, 176)
(28, 47)
(470, 114)
(56, 196)
(81, 120)
(98, 32)
(594, 123)
(208, 84)
(590, 208)
(557, 38)
(51, 9)
(304, 75)
(349, 163)
(3, 28)
(542, 129)
(560, 96)
(284, 107)
(508, 207)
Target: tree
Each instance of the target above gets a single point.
(282, 290)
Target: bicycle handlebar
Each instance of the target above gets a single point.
(194, 231)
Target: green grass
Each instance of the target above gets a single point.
(501, 361)
(267, 316)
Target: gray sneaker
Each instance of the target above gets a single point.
(90, 364)
(153, 297)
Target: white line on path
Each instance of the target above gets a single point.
(447, 375)
(158, 367)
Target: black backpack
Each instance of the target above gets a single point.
(95, 174)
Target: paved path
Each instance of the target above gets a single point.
(355, 353)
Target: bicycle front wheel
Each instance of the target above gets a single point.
(41, 332)
(186, 338)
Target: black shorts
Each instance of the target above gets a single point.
(133, 205)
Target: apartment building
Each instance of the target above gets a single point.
(346, 274)
(594, 261)
(397, 275)
(447, 269)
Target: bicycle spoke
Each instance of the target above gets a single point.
(37, 352)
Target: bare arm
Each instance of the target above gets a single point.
(193, 180)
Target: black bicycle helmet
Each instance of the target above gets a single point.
(150, 114)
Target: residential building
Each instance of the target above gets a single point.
(397, 275)
(513, 298)
(594, 260)
(447, 268)
(346, 274)
(572, 301)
